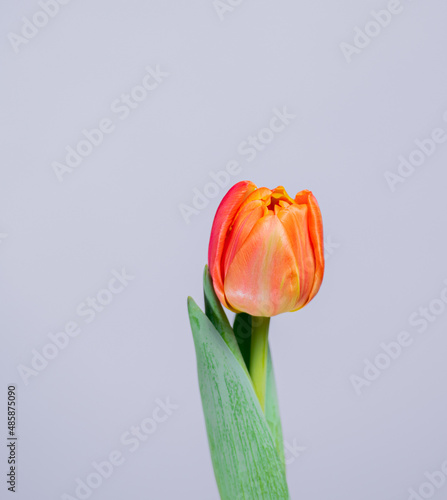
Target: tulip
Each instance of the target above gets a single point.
(266, 252)
(265, 257)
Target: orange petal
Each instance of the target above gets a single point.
(262, 279)
(280, 193)
(243, 224)
(222, 221)
(316, 237)
(295, 221)
(261, 193)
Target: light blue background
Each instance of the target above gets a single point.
(120, 209)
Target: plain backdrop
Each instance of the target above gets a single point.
(121, 208)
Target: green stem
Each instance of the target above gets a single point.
(258, 357)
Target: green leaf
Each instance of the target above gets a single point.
(245, 460)
(242, 326)
(272, 409)
(242, 330)
(217, 316)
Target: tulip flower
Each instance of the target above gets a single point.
(266, 250)
(265, 257)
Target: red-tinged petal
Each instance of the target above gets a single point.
(243, 224)
(222, 221)
(262, 279)
(316, 236)
(294, 218)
